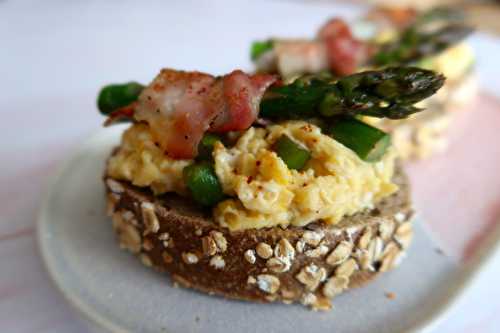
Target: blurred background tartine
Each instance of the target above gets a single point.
(484, 14)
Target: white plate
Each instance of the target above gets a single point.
(117, 293)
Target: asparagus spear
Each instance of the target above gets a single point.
(294, 156)
(440, 14)
(202, 182)
(415, 44)
(260, 47)
(368, 142)
(115, 96)
(388, 93)
(206, 146)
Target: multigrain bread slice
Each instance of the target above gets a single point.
(309, 265)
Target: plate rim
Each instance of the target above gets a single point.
(78, 306)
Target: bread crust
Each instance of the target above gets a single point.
(308, 264)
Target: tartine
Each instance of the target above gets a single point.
(251, 188)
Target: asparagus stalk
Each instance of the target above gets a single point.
(206, 146)
(415, 44)
(388, 93)
(368, 142)
(115, 96)
(258, 48)
(202, 182)
(440, 14)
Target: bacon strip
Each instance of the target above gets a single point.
(295, 57)
(345, 53)
(181, 106)
(335, 48)
(241, 98)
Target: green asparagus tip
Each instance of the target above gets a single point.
(115, 96)
(387, 93)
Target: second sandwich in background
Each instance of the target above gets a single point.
(433, 39)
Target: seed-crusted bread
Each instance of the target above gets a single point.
(309, 265)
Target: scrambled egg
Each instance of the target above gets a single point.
(334, 183)
(141, 162)
(262, 191)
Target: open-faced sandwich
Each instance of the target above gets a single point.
(247, 187)
(388, 37)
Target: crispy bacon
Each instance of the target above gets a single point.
(295, 57)
(241, 98)
(345, 53)
(335, 48)
(181, 106)
(335, 27)
(174, 107)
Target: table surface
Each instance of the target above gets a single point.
(53, 58)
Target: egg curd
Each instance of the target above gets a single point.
(262, 191)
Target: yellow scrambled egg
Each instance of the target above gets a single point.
(263, 191)
(144, 164)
